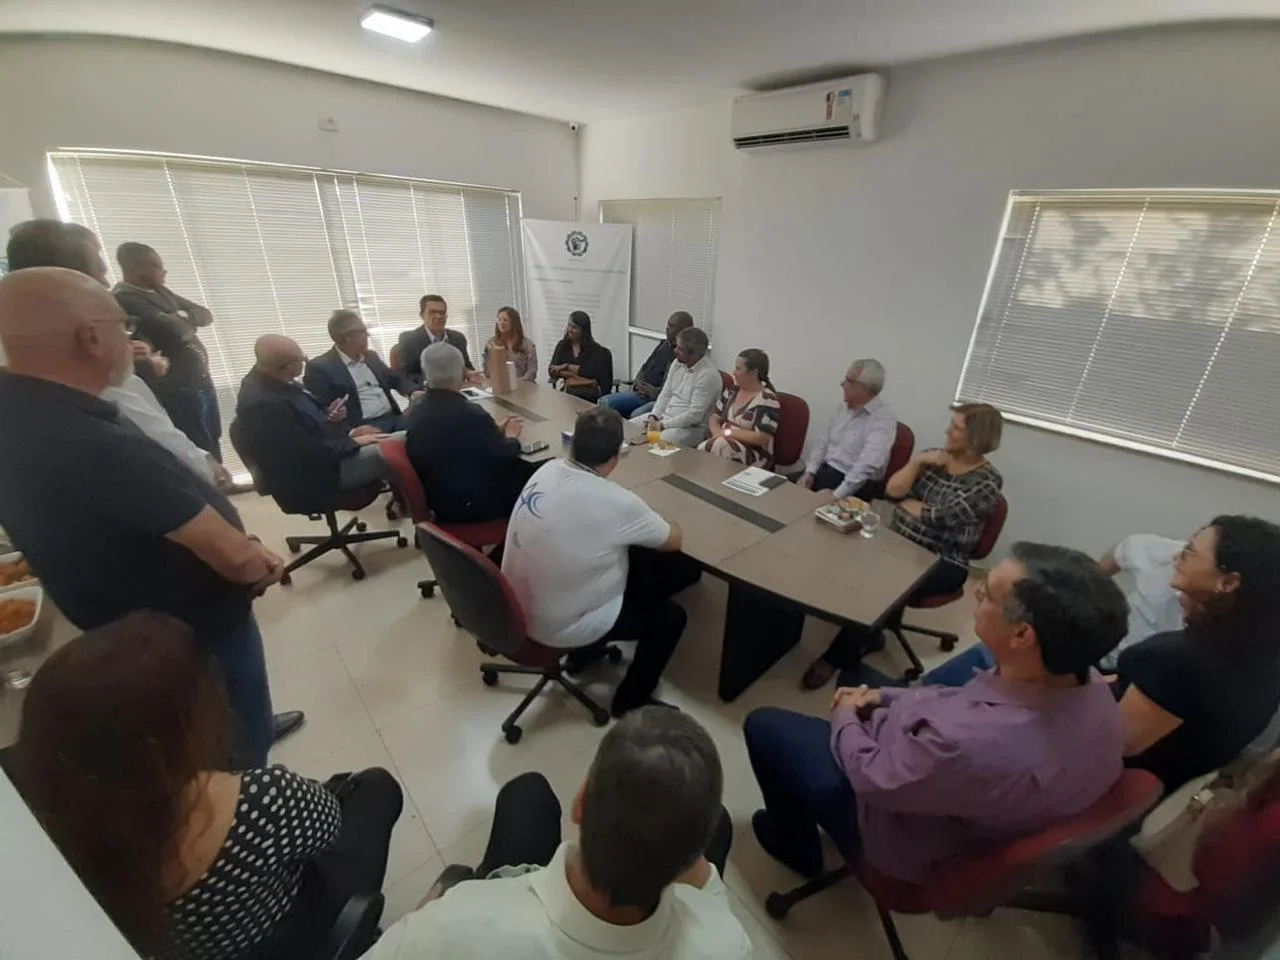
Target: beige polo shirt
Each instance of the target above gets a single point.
(534, 915)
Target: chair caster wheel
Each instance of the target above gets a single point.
(513, 734)
(776, 906)
(911, 674)
(948, 644)
(293, 545)
(600, 719)
(357, 574)
(490, 678)
(428, 590)
(401, 542)
(614, 655)
(361, 526)
(286, 580)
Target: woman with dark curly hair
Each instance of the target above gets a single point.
(123, 756)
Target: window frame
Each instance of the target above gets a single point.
(1081, 433)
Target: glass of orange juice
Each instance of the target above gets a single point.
(654, 434)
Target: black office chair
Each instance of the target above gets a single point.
(338, 537)
(355, 930)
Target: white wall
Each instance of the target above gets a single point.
(99, 92)
(834, 252)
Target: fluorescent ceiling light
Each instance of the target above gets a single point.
(394, 23)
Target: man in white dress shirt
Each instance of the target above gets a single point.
(643, 882)
(851, 457)
(690, 391)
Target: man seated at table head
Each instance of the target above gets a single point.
(470, 466)
(435, 316)
(643, 880)
(938, 772)
(301, 450)
(653, 374)
(354, 379)
(691, 389)
(850, 458)
(592, 563)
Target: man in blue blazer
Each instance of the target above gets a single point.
(352, 378)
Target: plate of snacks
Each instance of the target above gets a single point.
(663, 448)
(14, 572)
(844, 514)
(19, 613)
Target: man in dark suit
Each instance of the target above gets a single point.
(352, 380)
(303, 454)
(470, 467)
(435, 315)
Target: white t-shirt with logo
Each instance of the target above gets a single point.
(566, 551)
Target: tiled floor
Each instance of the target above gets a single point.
(386, 679)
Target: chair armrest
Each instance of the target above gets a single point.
(356, 928)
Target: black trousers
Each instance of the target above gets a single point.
(828, 478)
(651, 618)
(356, 863)
(194, 410)
(848, 646)
(526, 830)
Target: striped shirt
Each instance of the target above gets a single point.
(955, 509)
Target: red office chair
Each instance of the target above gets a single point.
(793, 427)
(991, 528)
(974, 886)
(904, 444)
(478, 535)
(726, 380)
(484, 604)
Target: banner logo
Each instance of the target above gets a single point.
(576, 243)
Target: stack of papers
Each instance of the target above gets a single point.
(754, 481)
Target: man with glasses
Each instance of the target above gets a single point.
(352, 378)
(850, 458)
(689, 392)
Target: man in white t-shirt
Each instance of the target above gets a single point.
(643, 881)
(575, 557)
(1153, 603)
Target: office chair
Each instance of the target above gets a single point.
(991, 528)
(976, 885)
(355, 930)
(793, 427)
(339, 537)
(487, 533)
(484, 604)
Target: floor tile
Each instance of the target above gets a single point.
(404, 895)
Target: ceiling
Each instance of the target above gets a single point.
(588, 59)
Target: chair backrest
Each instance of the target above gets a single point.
(992, 877)
(991, 528)
(478, 594)
(236, 434)
(355, 930)
(406, 479)
(395, 359)
(726, 380)
(904, 444)
(793, 427)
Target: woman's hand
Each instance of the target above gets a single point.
(913, 507)
(931, 458)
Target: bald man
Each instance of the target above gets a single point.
(110, 520)
(303, 451)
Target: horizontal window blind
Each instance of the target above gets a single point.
(674, 257)
(275, 249)
(1150, 320)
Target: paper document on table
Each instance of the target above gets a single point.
(754, 481)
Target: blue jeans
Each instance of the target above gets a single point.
(803, 786)
(960, 669)
(244, 672)
(628, 403)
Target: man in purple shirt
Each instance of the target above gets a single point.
(908, 778)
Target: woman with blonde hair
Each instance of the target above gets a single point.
(508, 332)
(747, 414)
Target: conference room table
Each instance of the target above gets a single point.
(781, 563)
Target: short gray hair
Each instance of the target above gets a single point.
(342, 323)
(869, 373)
(650, 805)
(443, 366)
(693, 340)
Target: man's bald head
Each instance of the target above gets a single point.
(279, 357)
(62, 325)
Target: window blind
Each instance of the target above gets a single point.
(674, 257)
(1150, 320)
(276, 249)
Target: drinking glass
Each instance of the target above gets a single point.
(870, 523)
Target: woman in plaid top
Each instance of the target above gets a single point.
(944, 499)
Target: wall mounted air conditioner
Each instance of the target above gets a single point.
(834, 111)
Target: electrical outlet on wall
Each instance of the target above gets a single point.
(328, 123)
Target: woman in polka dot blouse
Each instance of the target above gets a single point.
(123, 756)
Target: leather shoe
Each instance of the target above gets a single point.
(818, 675)
(286, 723)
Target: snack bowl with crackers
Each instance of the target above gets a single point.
(15, 573)
(844, 514)
(19, 613)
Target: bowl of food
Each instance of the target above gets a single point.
(15, 572)
(19, 612)
(844, 514)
